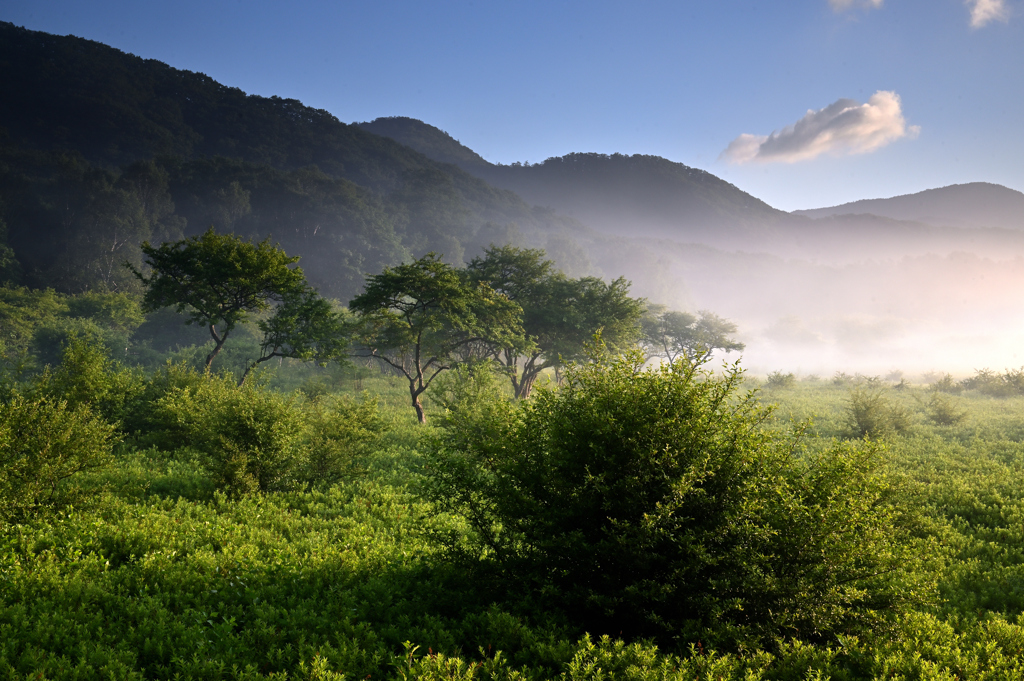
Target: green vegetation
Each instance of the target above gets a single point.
(639, 523)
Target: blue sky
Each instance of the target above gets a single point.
(909, 94)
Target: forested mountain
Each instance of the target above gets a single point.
(618, 194)
(976, 204)
(100, 150)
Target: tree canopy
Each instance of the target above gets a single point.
(218, 280)
(672, 335)
(417, 316)
(560, 315)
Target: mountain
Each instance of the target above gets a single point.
(634, 195)
(977, 204)
(90, 135)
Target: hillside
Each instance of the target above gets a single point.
(619, 194)
(977, 204)
(77, 118)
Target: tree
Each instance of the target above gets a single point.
(655, 503)
(304, 326)
(672, 334)
(560, 315)
(415, 317)
(218, 279)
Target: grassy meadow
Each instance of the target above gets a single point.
(160, 569)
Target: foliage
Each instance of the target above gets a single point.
(944, 411)
(778, 380)
(674, 335)
(946, 384)
(339, 435)
(87, 377)
(873, 414)
(304, 326)
(655, 503)
(560, 315)
(219, 280)
(988, 382)
(248, 437)
(43, 444)
(416, 317)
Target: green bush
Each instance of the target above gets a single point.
(946, 384)
(43, 443)
(944, 411)
(253, 439)
(86, 376)
(779, 381)
(248, 436)
(654, 503)
(338, 435)
(872, 414)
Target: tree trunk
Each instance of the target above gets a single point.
(219, 344)
(417, 406)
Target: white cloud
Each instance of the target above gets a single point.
(986, 11)
(843, 5)
(843, 127)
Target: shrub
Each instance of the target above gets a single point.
(43, 443)
(86, 376)
(779, 380)
(872, 414)
(946, 384)
(654, 503)
(248, 437)
(944, 411)
(338, 434)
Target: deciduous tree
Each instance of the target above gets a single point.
(219, 280)
(416, 317)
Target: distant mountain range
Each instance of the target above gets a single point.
(977, 204)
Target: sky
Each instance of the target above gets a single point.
(803, 104)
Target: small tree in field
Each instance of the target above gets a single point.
(416, 317)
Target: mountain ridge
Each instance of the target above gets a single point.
(971, 205)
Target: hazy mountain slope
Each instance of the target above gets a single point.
(977, 204)
(619, 194)
(76, 117)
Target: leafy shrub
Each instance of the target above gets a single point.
(779, 380)
(841, 379)
(43, 443)
(338, 434)
(872, 414)
(248, 436)
(944, 411)
(86, 376)
(654, 503)
(946, 384)
(988, 382)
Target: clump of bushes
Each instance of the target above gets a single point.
(652, 503)
(43, 444)
(988, 382)
(252, 439)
